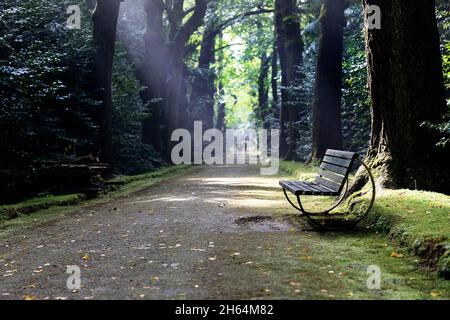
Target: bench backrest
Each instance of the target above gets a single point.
(335, 169)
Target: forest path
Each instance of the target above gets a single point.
(218, 232)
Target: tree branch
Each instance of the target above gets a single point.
(192, 24)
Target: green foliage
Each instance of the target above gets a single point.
(131, 155)
(44, 95)
(355, 99)
(47, 110)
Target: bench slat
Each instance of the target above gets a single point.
(338, 161)
(309, 187)
(331, 176)
(333, 168)
(341, 154)
(328, 183)
(316, 187)
(306, 188)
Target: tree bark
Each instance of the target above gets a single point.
(407, 88)
(180, 34)
(290, 49)
(327, 125)
(274, 83)
(152, 73)
(263, 90)
(203, 87)
(105, 19)
(220, 123)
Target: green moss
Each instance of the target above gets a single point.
(155, 174)
(419, 220)
(324, 266)
(32, 205)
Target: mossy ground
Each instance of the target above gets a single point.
(32, 205)
(418, 220)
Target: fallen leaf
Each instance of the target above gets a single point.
(235, 254)
(435, 294)
(396, 255)
(86, 257)
(29, 297)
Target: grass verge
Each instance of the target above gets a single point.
(118, 185)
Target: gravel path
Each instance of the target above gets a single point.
(215, 233)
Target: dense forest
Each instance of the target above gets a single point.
(106, 89)
(332, 118)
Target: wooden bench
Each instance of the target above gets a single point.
(331, 179)
(333, 174)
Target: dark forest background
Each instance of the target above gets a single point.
(111, 93)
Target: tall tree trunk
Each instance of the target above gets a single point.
(220, 123)
(203, 87)
(180, 34)
(263, 90)
(152, 72)
(105, 19)
(290, 49)
(262, 110)
(406, 87)
(274, 83)
(327, 126)
(280, 40)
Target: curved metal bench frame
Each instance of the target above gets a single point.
(308, 214)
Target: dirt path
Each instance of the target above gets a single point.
(215, 233)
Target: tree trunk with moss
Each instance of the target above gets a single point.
(407, 88)
(327, 126)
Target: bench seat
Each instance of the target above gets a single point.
(307, 188)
